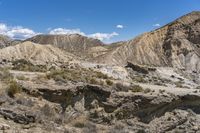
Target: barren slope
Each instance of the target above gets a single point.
(36, 53)
(176, 44)
(74, 43)
(6, 41)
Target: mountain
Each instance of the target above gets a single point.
(74, 43)
(35, 53)
(44, 88)
(176, 44)
(6, 41)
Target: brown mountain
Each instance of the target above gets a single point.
(74, 43)
(176, 44)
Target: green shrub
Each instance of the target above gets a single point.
(79, 122)
(136, 88)
(161, 91)
(79, 125)
(109, 82)
(77, 75)
(93, 81)
(5, 75)
(24, 65)
(13, 88)
(101, 75)
(139, 79)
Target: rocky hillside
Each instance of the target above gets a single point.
(46, 88)
(6, 41)
(84, 100)
(35, 53)
(176, 44)
(74, 43)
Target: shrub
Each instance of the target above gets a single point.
(13, 88)
(161, 91)
(58, 75)
(77, 75)
(139, 79)
(93, 81)
(101, 75)
(79, 125)
(136, 88)
(24, 65)
(5, 75)
(79, 122)
(109, 82)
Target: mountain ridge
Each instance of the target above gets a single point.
(74, 43)
(174, 45)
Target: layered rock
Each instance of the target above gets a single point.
(176, 45)
(74, 43)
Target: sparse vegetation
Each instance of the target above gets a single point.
(136, 88)
(109, 82)
(23, 65)
(161, 91)
(79, 122)
(79, 125)
(139, 79)
(93, 81)
(101, 75)
(78, 75)
(13, 88)
(5, 75)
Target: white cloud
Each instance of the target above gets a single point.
(19, 32)
(156, 25)
(119, 26)
(61, 31)
(100, 36)
(3, 27)
(16, 32)
(103, 36)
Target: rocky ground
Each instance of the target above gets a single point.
(75, 84)
(99, 98)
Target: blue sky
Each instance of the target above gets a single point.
(108, 20)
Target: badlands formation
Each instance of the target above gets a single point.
(76, 84)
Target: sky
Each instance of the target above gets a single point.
(107, 20)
